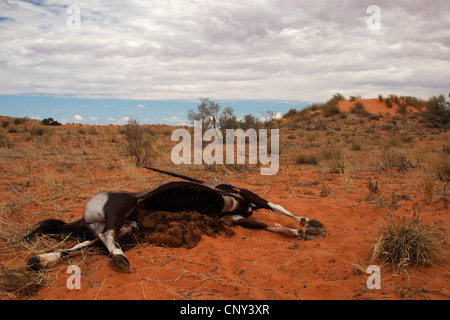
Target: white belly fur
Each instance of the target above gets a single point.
(93, 211)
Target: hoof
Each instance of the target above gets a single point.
(34, 263)
(313, 233)
(317, 224)
(120, 261)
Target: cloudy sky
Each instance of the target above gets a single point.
(96, 60)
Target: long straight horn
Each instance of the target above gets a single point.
(175, 175)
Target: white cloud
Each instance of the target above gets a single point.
(183, 49)
(141, 106)
(175, 121)
(77, 117)
(92, 118)
(277, 116)
(36, 117)
(110, 119)
(122, 121)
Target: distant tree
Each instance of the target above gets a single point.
(437, 111)
(249, 121)
(227, 119)
(207, 113)
(50, 122)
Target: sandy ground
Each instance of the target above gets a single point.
(255, 264)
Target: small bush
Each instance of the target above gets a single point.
(5, 142)
(336, 159)
(373, 188)
(19, 121)
(417, 103)
(437, 112)
(307, 159)
(356, 146)
(395, 98)
(389, 103)
(330, 109)
(37, 130)
(446, 148)
(325, 191)
(139, 143)
(359, 109)
(403, 243)
(439, 167)
(395, 159)
(290, 114)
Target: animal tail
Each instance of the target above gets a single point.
(76, 229)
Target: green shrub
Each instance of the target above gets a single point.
(18, 121)
(359, 109)
(437, 111)
(50, 122)
(389, 103)
(290, 114)
(330, 109)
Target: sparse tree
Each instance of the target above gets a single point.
(50, 122)
(250, 121)
(227, 119)
(207, 113)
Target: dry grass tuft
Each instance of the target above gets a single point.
(22, 283)
(404, 243)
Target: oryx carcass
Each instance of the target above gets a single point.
(108, 216)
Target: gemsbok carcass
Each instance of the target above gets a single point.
(108, 216)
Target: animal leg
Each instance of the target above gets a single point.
(253, 224)
(43, 260)
(314, 228)
(116, 254)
